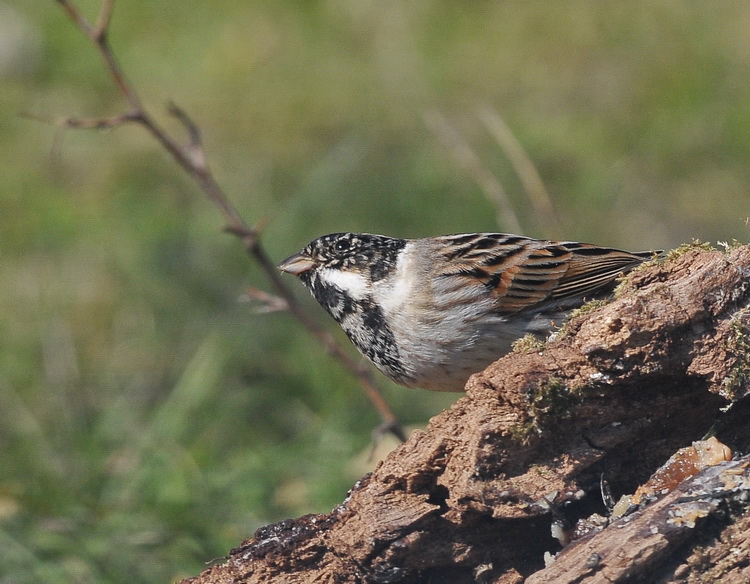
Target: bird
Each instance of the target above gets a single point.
(430, 312)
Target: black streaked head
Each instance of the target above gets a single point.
(373, 255)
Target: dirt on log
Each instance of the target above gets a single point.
(536, 438)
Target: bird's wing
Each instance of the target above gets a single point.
(522, 273)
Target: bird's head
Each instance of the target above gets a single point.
(348, 261)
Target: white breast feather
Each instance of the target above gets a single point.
(393, 293)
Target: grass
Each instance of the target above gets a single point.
(150, 420)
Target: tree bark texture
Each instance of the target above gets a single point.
(536, 437)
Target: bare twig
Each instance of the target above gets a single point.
(84, 123)
(524, 167)
(192, 158)
(105, 16)
(471, 163)
(264, 301)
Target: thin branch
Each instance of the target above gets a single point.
(264, 302)
(76, 16)
(105, 17)
(524, 167)
(468, 159)
(192, 158)
(85, 123)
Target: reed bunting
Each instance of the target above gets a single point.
(430, 312)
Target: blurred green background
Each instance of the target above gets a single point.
(150, 419)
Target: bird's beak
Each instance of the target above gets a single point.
(297, 264)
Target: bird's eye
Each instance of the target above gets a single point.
(342, 245)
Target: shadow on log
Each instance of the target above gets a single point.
(622, 388)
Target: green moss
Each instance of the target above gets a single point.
(737, 344)
(551, 396)
(528, 342)
(523, 432)
(548, 402)
(624, 286)
(686, 247)
(588, 308)
(583, 310)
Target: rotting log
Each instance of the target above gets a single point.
(623, 387)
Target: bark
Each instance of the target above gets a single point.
(622, 388)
